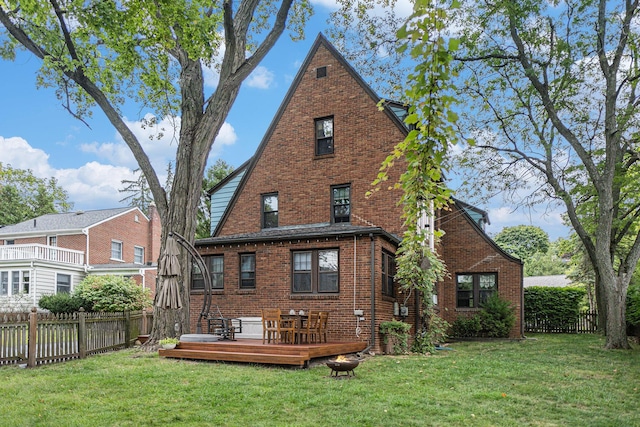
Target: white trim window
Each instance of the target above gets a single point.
(116, 250)
(63, 283)
(138, 255)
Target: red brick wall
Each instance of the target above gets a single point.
(363, 137)
(273, 285)
(123, 228)
(466, 251)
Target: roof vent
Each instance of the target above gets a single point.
(79, 212)
(321, 72)
(34, 223)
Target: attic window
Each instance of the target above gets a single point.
(321, 72)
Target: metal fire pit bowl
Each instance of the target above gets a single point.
(343, 368)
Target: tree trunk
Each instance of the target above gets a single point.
(616, 322)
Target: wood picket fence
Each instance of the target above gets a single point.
(32, 339)
(586, 323)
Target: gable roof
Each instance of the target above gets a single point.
(394, 114)
(467, 214)
(63, 223)
(480, 216)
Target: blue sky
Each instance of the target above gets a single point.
(37, 133)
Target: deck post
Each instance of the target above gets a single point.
(33, 334)
(82, 333)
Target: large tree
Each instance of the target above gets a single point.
(550, 91)
(522, 241)
(24, 196)
(103, 53)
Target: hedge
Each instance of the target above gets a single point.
(558, 307)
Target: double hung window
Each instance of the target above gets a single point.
(215, 264)
(247, 271)
(388, 274)
(315, 271)
(63, 283)
(324, 136)
(116, 250)
(341, 203)
(270, 210)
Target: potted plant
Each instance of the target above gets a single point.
(396, 336)
(169, 343)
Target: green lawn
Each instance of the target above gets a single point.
(550, 380)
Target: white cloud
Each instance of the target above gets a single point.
(17, 152)
(96, 184)
(91, 186)
(261, 78)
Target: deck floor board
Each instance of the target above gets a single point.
(253, 351)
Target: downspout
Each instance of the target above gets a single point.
(373, 291)
(86, 252)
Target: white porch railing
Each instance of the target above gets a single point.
(41, 253)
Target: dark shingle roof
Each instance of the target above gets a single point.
(307, 231)
(68, 221)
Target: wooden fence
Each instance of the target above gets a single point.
(587, 323)
(34, 338)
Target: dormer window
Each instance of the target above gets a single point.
(324, 136)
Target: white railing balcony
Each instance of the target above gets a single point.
(41, 253)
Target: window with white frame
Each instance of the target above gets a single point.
(116, 250)
(14, 282)
(138, 255)
(63, 283)
(4, 283)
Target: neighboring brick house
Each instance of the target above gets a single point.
(293, 228)
(53, 253)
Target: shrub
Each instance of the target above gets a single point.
(466, 327)
(63, 303)
(559, 308)
(435, 333)
(113, 293)
(497, 317)
(396, 333)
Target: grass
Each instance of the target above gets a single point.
(550, 380)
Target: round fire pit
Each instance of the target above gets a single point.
(343, 367)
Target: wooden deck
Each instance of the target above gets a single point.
(253, 351)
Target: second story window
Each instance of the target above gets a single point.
(341, 203)
(270, 210)
(324, 136)
(52, 241)
(116, 250)
(248, 271)
(138, 255)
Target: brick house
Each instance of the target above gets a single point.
(292, 228)
(52, 253)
